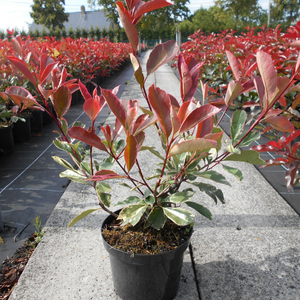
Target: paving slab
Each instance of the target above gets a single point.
(249, 251)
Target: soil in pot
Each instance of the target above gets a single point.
(7, 145)
(146, 276)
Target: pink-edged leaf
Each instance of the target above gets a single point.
(61, 100)
(297, 66)
(45, 60)
(140, 139)
(295, 147)
(234, 65)
(280, 123)
(92, 108)
(138, 74)
(148, 122)
(21, 97)
(161, 54)
(138, 122)
(16, 45)
(105, 174)
(107, 133)
(174, 101)
(118, 129)
(248, 86)
(205, 88)
(275, 162)
(175, 121)
(198, 115)
(43, 76)
(282, 84)
(290, 176)
(161, 104)
(22, 67)
(268, 73)
(133, 107)
(234, 89)
(131, 151)
(130, 29)
(85, 93)
(46, 93)
(115, 105)
(186, 81)
(250, 104)
(185, 110)
(250, 69)
(205, 127)
(197, 144)
(261, 91)
(150, 6)
(272, 112)
(88, 137)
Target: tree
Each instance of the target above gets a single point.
(49, 13)
(285, 12)
(157, 23)
(234, 13)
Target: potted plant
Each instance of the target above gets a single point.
(191, 147)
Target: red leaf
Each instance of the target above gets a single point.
(44, 75)
(205, 127)
(88, 137)
(198, 115)
(131, 151)
(149, 6)
(130, 29)
(105, 174)
(61, 100)
(161, 104)
(268, 73)
(115, 106)
(280, 123)
(234, 65)
(92, 108)
(85, 93)
(185, 110)
(160, 55)
(22, 67)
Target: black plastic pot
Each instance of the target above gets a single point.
(22, 130)
(36, 121)
(47, 119)
(147, 277)
(7, 145)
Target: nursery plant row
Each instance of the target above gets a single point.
(230, 80)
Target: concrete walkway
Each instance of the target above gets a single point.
(251, 249)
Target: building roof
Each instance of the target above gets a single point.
(83, 19)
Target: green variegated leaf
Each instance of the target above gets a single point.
(119, 146)
(103, 187)
(108, 162)
(132, 213)
(63, 163)
(156, 218)
(64, 125)
(180, 197)
(179, 216)
(211, 191)
(237, 124)
(105, 198)
(197, 144)
(231, 149)
(86, 167)
(129, 200)
(81, 216)
(249, 156)
(63, 146)
(126, 185)
(150, 200)
(200, 209)
(74, 176)
(252, 136)
(236, 172)
(213, 175)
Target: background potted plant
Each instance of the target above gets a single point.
(191, 147)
